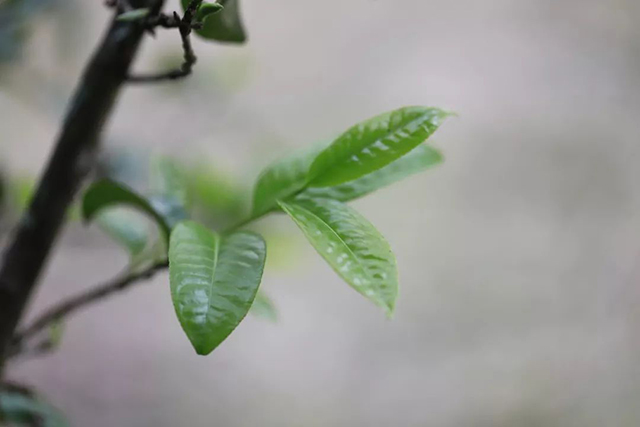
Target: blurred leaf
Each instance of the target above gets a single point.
(207, 9)
(224, 26)
(282, 180)
(133, 15)
(22, 410)
(21, 190)
(417, 160)
(284, 247)
(351, 245)
(169, 188)
(214, 281)
(126, 165)
(168, 179)
(106, 193)
(215, 193)
(152, 254)
(56, 332)
(15, 17)
(373, 144)
(170, 209)
(126, 228)
(263, 308)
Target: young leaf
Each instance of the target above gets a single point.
(373, 144)
(282, 180)
(263, 308)
(207, 9)
(133, 15)
(106, 193)
(126, 228)
(223, 26)
(214, 281)
(351, 245)
(22, 410)
(420, 158)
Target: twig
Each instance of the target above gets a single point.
(78, 302)
(185, 25)
(72, 160)
(89, 297)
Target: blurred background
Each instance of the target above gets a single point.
(519, 257)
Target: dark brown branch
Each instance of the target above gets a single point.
(78, 302)
(72, 160)
(185, 25)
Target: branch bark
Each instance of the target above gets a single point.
(72, 160)
(78, 302)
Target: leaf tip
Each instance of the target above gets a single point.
(202, 350)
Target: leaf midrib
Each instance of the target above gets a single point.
(351, 153)
(359, 262)
(216, 253)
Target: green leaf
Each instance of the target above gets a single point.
(417, 160)
(263, 308)
(223, 26)
(207, 9)
(282, 180)
(133, 15)
(215, 195)
(373, 144)
(21, 191)
(23, 410)
(214, 281)
(125, 227)
(106, 193)
(169, 180)
(351, 245)
(169, 188)
(56, 332)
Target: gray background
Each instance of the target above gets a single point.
(519, 257)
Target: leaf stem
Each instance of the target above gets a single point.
(95, 295)
(92, 296)
(185, 25)
(72, 160)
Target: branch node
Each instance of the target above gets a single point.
(185, 25)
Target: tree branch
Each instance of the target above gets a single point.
(185, 25)
(81, 301)
(71, 161)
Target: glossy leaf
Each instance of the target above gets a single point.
(351, 245)
(214, 281)
(21, 410)
(373, 144)
(106, 193)
(263, 308)
(282, 180)
(223, 26)
(419, 159)
(125, 227)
